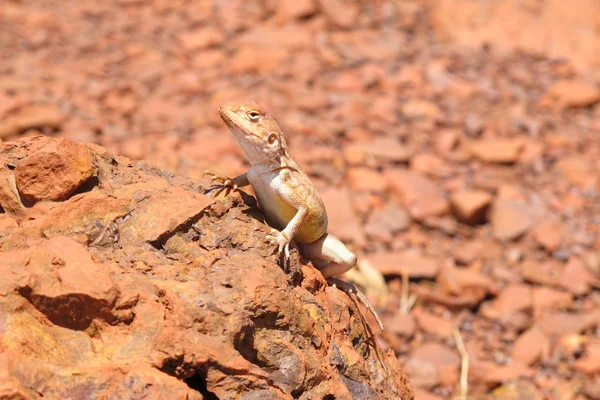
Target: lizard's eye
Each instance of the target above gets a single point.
(272, 138)
(253, 115)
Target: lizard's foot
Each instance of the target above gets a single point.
(223, 183)
(281, 240)
(351, 288)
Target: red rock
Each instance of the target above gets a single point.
(385, 222)
(446, 141)
(394, 263)
(459, 280)
(590, 362)
(431, 165)
(562, 323)
(401, 324)
(377, 150)
(509, 372)
(64, 166)
(504, 151)
(31, 116)
(545, 298)
(9, 196)
(426, 363)
(548, 234)
(249, 60)
(468, 252)
(573, 93)
(293, 9)
(341, 14)
(343, 221)
(420, 195)
(430, 323)
(421, 394)
(521, 389)
(541, 273)
(513, 298)
(163, 213)
(422, 109)
(510, 219)
(470, 206)
(530, 346)
(578, 171)
(366, 179)
(200, 38)
(576, 278)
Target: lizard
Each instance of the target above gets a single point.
(291, 203)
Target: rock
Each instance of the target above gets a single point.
(422, 109)
(9, 196)
(148, 261)
(31, 116)
(513, 298)
(292, 9)
(384, 223)
(503, 373)
(563, 323)
(427, 362)
(577, 171)
(574, 93)
(576, 278)
(54, 172)
(590, 362)
(341, 14)
(503, 151)
(548, 234)
(420, 195)
(510, 219)
(343, 221)
(401, 324)
(365, 179)
(394, 263)
(545, 298)
(530, 346)
(376, 151)
(433, 324)
(200, 38)
(470, 206)
(521, 389)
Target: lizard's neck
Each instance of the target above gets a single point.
(281, 162)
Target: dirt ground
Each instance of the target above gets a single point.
(455, 143)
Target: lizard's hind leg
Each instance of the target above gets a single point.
(330, 256)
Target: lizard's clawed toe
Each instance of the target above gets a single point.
(281, 240)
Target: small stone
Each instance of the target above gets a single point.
(530, 346)
(510, 219)
(394, 263)
(385, 222)
(433, 324)
(54, 172)
(590, 362)
(548, 234)
(509, 372)
(470, 206)
(521, 389)
(501, 151)
(513, 298)
(293, 9)
(200, 38)
(342, 14)
(572, 93)
(366, 179)
(545, 298)
(576, 278)
(422, 109)
(378, 150)
(420, 195)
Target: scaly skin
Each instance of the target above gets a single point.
(288, 198)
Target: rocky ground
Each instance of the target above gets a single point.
(456, 144)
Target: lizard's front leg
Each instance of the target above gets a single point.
(283, 238)
(225, 183)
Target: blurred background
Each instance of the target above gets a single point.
(456, 143)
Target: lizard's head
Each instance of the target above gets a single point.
(256, 131)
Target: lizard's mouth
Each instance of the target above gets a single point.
(237, 128)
